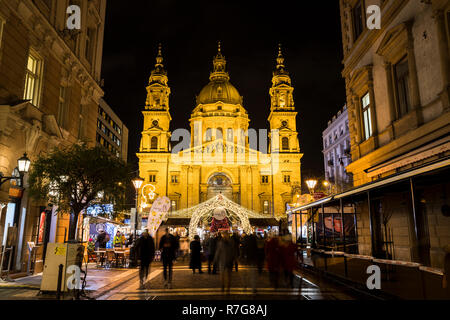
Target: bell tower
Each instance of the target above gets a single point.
(282, 111)
(156, 134)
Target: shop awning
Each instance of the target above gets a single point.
(377, 184)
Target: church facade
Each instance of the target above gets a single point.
(220, 154)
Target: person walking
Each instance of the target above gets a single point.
(288, 250)
(236, 248)
(212, 246)
(145, 250)
(168, 246)
(224, 257)
(250, 258)
(196, 257)
(260, 256)
(273, 260)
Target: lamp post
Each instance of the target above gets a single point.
(311, 183)
(137, 182)
(327, 185)
(23, 166)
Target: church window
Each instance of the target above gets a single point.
(219, 133)
(285, 143)
(264, 179)
(173, 205)
(208, 134)
(154, 143)
(230, 134)
(266, 206)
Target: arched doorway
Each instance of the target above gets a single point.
(219, 183)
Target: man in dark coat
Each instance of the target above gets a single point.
(145, 251)
(196, 255)
(250, 258)
(168, 247)
(212, 245)
(236, 248)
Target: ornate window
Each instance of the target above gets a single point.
(402, 87)
(367, 121)
(358, 19)
(33, 79)
(152, 178)
(174, 179)
(173, 205)
(266, 206)
(287, 178)
(230, 134)
(285, 143)
(264, 179)
(154, 143)
(208, 134)
(219, 133)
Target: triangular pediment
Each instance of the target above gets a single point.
(220, 145)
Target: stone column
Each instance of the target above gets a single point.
(444, 57)
(414, 81)
(373, 112)
(357, 118)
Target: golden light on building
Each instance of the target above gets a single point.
(221, 157)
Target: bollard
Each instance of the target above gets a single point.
(58, 288)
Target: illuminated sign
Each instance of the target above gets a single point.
(149, 195)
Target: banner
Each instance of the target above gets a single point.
(157, 214)
(41, 228)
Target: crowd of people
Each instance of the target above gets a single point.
(224, 252)
(119, 240)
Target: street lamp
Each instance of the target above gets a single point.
(137, 182)
(23, 165)
(311, 183)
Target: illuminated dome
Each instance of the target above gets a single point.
(219, 90)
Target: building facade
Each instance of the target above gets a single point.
(49, 97)
(336, 152)
(219, 154)
(112, 134)
(397, 85)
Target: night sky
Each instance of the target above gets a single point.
(189, 30)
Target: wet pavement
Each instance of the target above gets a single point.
(189, 286)
(123, 284)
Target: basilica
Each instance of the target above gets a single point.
(222, 156)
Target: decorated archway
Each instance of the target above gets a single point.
(204, 212)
